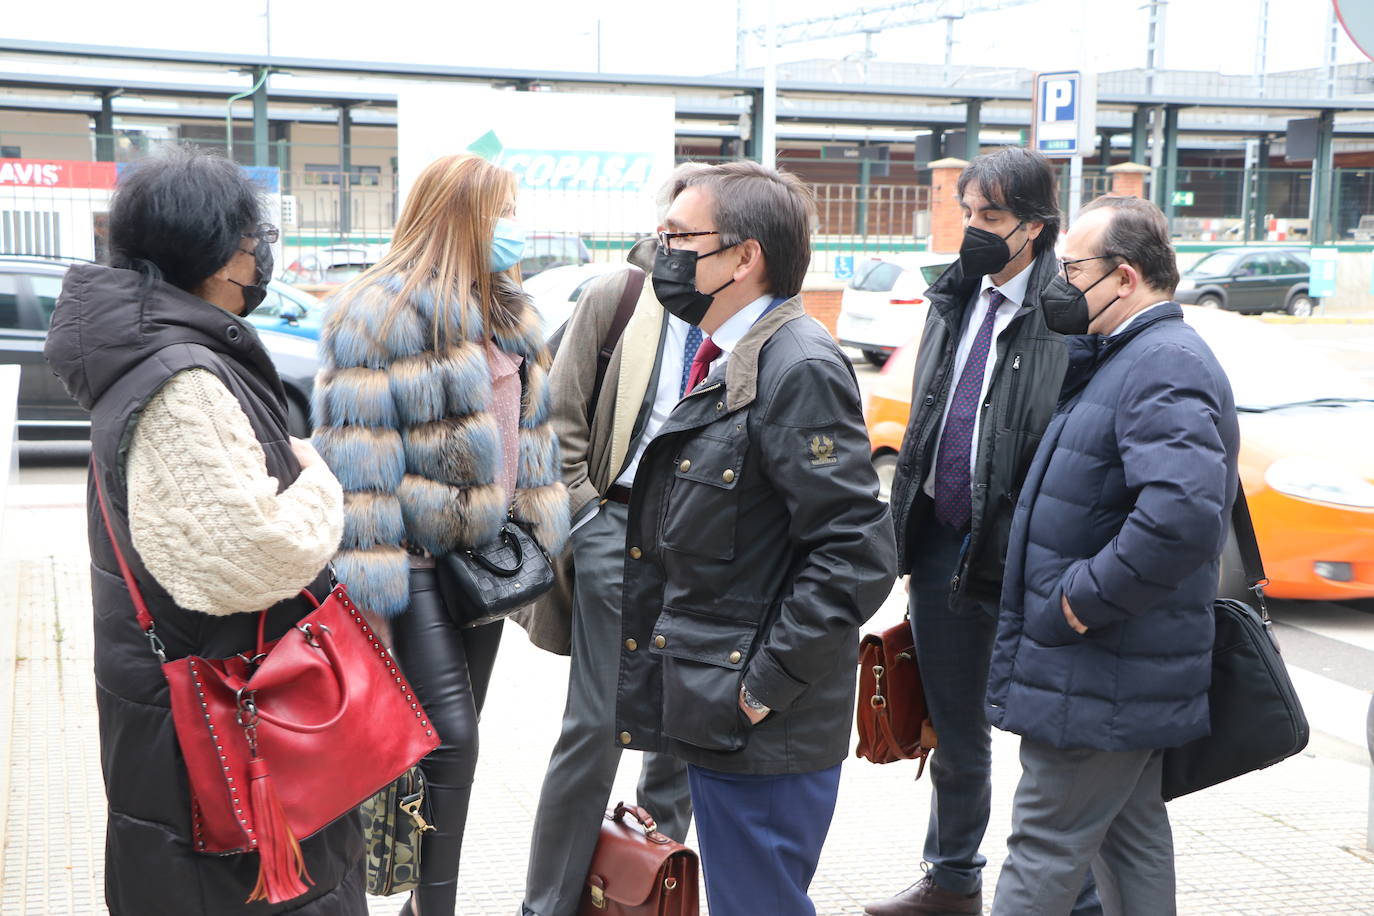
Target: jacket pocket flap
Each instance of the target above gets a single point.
(710, 460)
(699, 638)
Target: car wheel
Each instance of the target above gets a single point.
(886, 466)
(1300, 305)
(876, 357)
(1209, 301)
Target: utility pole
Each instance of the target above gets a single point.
(1332, 39)
(950, 19)
(768, 153)
(1154, 63)
(1262, 45)
(739, 37)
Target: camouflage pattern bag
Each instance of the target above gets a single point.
(393, 822)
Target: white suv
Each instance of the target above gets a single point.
(884, 306)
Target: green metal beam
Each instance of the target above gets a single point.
(1140, 134)
(1165, 199)
(973, 113)
(261, 156)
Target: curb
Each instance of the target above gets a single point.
(1316, 319)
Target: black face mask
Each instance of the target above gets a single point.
(675, 283)
(255, 293)
(984, 253)
(1065, 306)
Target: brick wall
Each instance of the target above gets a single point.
(946, 218)
(823, 305)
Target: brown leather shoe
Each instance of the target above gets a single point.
(926, 898)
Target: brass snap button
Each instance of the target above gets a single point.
(636, 553)
(728, 476)
(631, 644)
(624, 737)
(685, 466)
(660, 641)
(735, 657)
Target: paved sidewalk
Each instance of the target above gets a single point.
(1287, 840)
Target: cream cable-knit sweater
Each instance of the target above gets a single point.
(206, 517)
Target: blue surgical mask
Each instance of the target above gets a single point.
(507, 245)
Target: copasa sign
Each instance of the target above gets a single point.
(585, 163)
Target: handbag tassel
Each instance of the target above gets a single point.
(281, 866)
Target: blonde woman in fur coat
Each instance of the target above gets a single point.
(431, 408)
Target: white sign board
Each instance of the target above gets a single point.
(586, 163)
(1065, 114)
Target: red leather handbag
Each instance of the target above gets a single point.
(637, 871)
(891, 717)
(281, 743)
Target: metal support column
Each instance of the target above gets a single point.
(104, 127)
(1104, 148)
(1319, 209)
(1259, 210)
(1140, 134)
(261, 156)
(861, 205)
(345, 169)
(1169, 166)
(973, 113)
(937, 144)
(754, 145)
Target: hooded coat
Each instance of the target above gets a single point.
(116, 339)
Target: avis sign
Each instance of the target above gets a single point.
(1065, 112)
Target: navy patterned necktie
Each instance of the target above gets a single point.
(953, 480)
(689, 352)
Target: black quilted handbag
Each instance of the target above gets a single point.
(393, 823)
(495, 580)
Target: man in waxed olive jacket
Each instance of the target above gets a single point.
(756, 545)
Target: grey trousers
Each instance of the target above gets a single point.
(1076, 809)
(577, 786)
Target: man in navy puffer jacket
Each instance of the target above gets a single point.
(1103, 654)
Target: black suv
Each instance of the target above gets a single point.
(28, 292)
(1249, 279)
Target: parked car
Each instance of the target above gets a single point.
(320, 271)
(885, 302)
(1306, 456)
(289, 310)
(555, 291)
(1249, 279)
(546, 250)
(28, 293)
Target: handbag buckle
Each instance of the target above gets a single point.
(413, 809)
(247, 717)
(598, 898)
(159, 649)
(311, 638)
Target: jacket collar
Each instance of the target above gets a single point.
(643, 253)
(742, 368)
(1089, 351)
(952, 291)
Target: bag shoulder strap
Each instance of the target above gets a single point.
(145, 617)
(634, 285)
(1244, 526)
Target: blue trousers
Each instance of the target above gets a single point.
(761, 837)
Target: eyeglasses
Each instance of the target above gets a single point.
(665, 239)
(1068, 274)
(266, 232)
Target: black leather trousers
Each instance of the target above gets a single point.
(449, 668)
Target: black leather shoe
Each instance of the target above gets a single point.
(926, 898)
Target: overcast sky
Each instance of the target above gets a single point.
(690, 38)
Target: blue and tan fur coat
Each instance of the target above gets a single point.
(408, 431)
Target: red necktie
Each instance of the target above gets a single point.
(707, 353)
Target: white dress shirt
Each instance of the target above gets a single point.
(729, 334)
(1014, 293)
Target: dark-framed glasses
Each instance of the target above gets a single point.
(1068, 274)
(665, 239)
(265, 232)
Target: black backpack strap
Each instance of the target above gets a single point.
(634, 285)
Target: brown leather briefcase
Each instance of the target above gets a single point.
(892, 718)
(637, 871)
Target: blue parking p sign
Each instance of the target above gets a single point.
(1058, 111)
